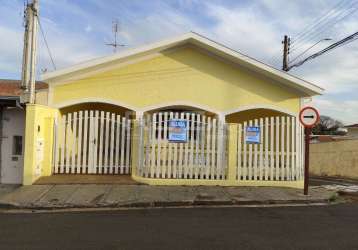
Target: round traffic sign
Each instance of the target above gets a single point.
(309, 116)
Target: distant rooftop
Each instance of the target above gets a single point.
(352, 126)
(10, 87)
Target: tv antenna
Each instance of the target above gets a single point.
(115, 30)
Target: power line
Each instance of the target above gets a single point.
(339, 12)
(305, 51)
(353, 8)
(46, 43)
(328, 25)
(356, 38)
(326, 22)
(307, 34)
(338, 44)
(309, 28)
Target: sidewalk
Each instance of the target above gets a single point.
(97, 196)
(7, 188)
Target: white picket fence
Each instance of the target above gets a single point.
(92, 142)
(203, 156)
(98, 142)
(279, 156)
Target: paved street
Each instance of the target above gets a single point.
(318, 227)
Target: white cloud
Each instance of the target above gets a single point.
(252, 31)
(88, 28)
(67, 47)
(156, 26)
(255, 28)
(10, 50)
(246, 30)
(346, 111)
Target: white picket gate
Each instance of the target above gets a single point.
(279, 156)
(203, 156)
(92, 142)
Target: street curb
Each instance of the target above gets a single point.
(335, 179)
(4, 205)
(164, 204)
(347, 193)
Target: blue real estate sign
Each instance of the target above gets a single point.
(178, 130)
(252, 134)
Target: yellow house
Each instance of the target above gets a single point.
(119, 114)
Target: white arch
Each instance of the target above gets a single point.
(181, 103)
(95, 100)
(260, 106)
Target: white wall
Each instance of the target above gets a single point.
(12, 165)
(352, 132)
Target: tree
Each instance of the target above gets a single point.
(328, 126)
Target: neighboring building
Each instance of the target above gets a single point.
(12, 130)
(338, 158)
(119, 114)
(352, 130)
(321, 138)
(329, 138)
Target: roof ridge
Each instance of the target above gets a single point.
(199, 40)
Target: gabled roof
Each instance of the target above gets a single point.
(303, 86)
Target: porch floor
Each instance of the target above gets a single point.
(86, 179)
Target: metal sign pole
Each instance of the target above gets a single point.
(307, 159)
(309, 117)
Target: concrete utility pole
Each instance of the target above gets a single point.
(286, 51)
(26, 51)
(29, 54)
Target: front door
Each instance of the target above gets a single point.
(12, 152)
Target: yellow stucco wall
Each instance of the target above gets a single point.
(185, 75)
(39, 126)
(42, 97)
(98, 106)
(251, 115)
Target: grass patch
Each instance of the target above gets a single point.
(333, 197)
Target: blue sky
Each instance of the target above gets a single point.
(77, 30)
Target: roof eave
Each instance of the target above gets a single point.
(158, 46)
(303, 86)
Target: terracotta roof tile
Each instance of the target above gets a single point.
(352, 126)
(12, 87)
